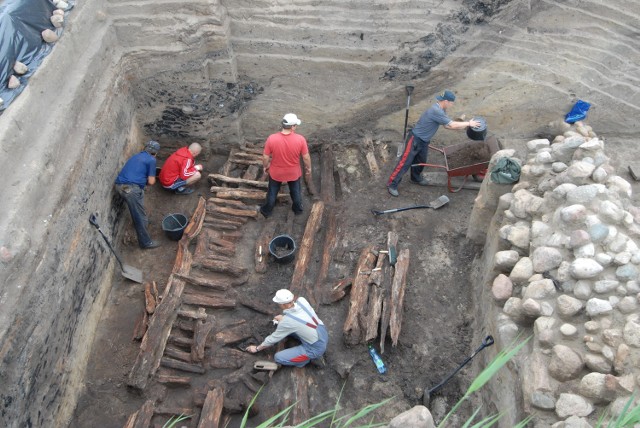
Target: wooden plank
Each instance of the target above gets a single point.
(257, 305)
(261, 254)
(172, 380)
(233, 211)
(149, 300)
(301, 410)
(322, 289)
(212, 409)
(219, 178)
(225, 358)
(234, 334)
(327, 181)
(228, 268)
(141, 325)
(397, 294)
(200, 314)
(234, 203)
(374, 311)
(371, 157)
(195, 223)
(352, 330)
(249, 194)
(385, 316)
(338, 291)
(145, 414)
(305, 250)
(215, 302)
(201, 331)
(252, 172)
(181, 365)
(177, 354)
(216, 284)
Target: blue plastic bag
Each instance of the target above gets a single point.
(578, 112)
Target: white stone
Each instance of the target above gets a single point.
(13, 82)
(584, 194)
(583, 268)
(513, 308)
(535, 145)
(578, 238)
(506, 260)
(592, 326)
(619, 185)
(565, 363)
(531, 308)
(49, 36)
(572, 405)
(568, 306)
(502, 288)
(633, 286)
(558, 167)
(525, 203)
(573, 214)
(585, 251)
(627, 272)
(604, 259)
(609, 212)
(598, 232)
(599, 175)
(544, 158)
(622, 258)
(568, 330)
(416, 417)
(57, 20)
(540, 290)
(612, 337)
(579, 170)
(522, 271)
(597, 307)
(593, 386)
(582, 289)
(605, 285)
(20, 68)
(628, 305)
(631, 334)
(597, 363)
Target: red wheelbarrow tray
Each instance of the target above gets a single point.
(474, 170)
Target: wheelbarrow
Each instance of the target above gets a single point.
(476, 170)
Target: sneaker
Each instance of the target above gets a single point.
(393, 191)
(153, 244)
(423, 182)
(318, 362)
(184, 191)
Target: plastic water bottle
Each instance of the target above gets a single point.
(377, 360)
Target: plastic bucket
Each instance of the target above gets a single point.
(479, 133)
(174, 225)
(282, 248)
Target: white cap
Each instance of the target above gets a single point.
(291, 119)
(283, 296)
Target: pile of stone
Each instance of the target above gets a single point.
(567, 268)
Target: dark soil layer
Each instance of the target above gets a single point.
(469, 155)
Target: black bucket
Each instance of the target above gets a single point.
(282, 248)
(174, 225)
(478, 133)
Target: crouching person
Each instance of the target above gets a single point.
(298, 320)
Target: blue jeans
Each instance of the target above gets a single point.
(415, 151)
(295, 190)
(301, 355)
(133, 195)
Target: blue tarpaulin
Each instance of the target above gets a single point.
(21, 25)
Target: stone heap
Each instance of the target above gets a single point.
(566, 268)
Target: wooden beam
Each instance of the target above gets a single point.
(397, 294)
(327, 181)
(385, 316)
(305, 250)
(181, 365)
(352, 330)
(322, 290)
(261, 254)
(228, 268)
(371, 157)
(201, 331)
(212, 409)
(215, 302)
(215, 178)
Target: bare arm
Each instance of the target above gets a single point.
(306, 159)
(266, 161)
(461, 125)
(151, 181)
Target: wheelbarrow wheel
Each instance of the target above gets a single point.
(477, 177)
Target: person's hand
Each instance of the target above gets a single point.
(252, 349)
(278, 318)
(199, 167)
(474, 123)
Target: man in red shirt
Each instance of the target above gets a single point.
(281, 160)
(180, 170)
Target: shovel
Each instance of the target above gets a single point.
(128, 272)
(435, 204)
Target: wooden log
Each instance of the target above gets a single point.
(234, 203)
(216, 284)
(252, 172)
(228, 165)
(257, 305)
(202, 245)
(212, 409)
(234, 211)
(248, 194)
(219, 178)
(220, 251)
(171, 380)
(327, 181)
(153, 343)
(181, 365)
(211, 257)
(215, 302)
(185, 342)
(131, 420)
(200, 314)
(301, 410)
(141, 325)
(242, 161)
(249, 155)
(374, 311)
(228, 268)
(261, 254)
(371, 157)
(234, 334)
(253, 149)
(397, 294)
(214, 225)
(330, 239)
(177, 354)
(306, 247)
(214, 215)
(385, 316)
(383, 152)
(227, 236)
(201, 331)
(195, 224)
(149, 300)
(222, 243)
(352, 330)
(251, 383)
(143, 415)
(185, 325)
(338, 291)
(225, 358)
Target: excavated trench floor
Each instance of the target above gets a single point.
(436, 328)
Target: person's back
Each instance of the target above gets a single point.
(285, 151)
(137, 169)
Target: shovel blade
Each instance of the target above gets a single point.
(440, 202)
(132, 273)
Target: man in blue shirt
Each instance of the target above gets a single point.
(139, 171)
(418, 140)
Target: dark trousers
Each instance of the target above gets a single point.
(295, 191)
(415, 151)
(133, 195)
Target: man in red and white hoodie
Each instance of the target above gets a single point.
(180, 170)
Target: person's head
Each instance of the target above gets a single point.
(283, 297)
(195, 149)
(290, 121)
(152, 147)
(446, 98)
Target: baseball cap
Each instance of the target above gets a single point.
(283, 296)
(291, 119)
(446, 95)
(152, 147)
